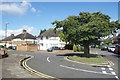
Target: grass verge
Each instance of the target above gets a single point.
(95, 59)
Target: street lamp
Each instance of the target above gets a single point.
(6, 29)
(6, 32)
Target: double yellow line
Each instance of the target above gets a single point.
(25, 66)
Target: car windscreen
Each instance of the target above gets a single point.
(112, 47)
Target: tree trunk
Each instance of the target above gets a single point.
(86, 50)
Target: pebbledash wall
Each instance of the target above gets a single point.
(48, 42)
(27, 48)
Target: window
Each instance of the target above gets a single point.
(46, 37)
(41, 44)
(41, 38)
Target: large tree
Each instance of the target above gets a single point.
(86, 28)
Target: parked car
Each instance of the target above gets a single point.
(111, 48)
(14, 47)
(117, 49)
(92, 46)
(104, 48)
(53, 48)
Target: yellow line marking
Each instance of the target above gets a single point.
(24, 63)
(66, 58)
(36, 71)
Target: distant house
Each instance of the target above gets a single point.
(116, 39)
(8, 39)
(49, 39)
(24, 38)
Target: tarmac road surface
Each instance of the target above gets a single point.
(54, 64)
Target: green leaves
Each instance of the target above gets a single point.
(86, 27)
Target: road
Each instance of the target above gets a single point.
(54, 64)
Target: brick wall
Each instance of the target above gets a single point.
(27, 48)
(6, 41)
(32, 48)
(62, 50)
(22, 48)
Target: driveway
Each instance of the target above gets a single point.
(54, 64)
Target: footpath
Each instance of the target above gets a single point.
(12, 69)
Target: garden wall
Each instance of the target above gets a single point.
(27, 48)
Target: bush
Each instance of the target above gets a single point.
(97, 46)
(74, 48)
(79, 49)
(82, 48)
(69, 46)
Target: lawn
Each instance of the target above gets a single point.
(95, 59)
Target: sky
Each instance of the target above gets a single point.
(35, 16)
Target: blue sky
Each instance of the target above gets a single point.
(35, 16)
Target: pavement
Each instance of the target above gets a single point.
(12, 69)
(54, 64)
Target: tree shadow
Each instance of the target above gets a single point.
(77, 54)
(103, 55)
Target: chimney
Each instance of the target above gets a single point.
(12, 34)
(24, 30)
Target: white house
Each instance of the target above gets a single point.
(49, 39)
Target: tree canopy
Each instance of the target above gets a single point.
(86, 28)
(41, 31)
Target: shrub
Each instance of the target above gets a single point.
(74, 48)
(69, 46)
(79, 49)
(82, 48)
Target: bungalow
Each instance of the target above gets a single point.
(24, 38)
(25, 42)
(8, 39)
(49, 39)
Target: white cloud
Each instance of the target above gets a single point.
(15, 8)
(33, 9)
(30, 30)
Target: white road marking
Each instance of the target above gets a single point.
(103, 68)
(84, 70)
(48, 59)
(109, 66)
(117, 77)
(111, 69)
(113, 73)
(104, 72)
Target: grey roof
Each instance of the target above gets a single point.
(50, 33)
(25, 35)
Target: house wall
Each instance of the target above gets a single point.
(50, 42)
(25, 41)
(6, 41)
